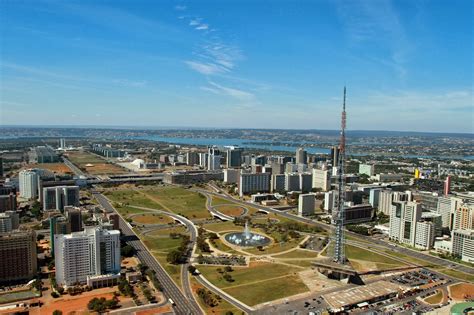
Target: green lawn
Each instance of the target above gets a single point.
(132, 198)
(298, 253)
(152, 218)
(162, 244)
(436, 298)
(353, 252)
(166, 232)
(246, 275)
(223, 226)
(219, 201)
(223, 247)
(268, 290)
(181, 201)
(274, 248)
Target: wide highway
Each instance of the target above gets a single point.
(183, 305)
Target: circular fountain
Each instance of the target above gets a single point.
(246, 238)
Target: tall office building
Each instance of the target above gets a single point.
(321, 179)
(374, 197)
(306, 182)
(329, 198)
(58, 224)
(62, 143)
(403, 218)
(231, 175)
(234, 156)
(444, 209)
(9, 220)
(254, 183)
(214, 156)
(463, 218)
(301, 156)
(28, 184)
(18, 256)
(57, 197)
(92, 252)
(203, 160)
(74, 218)
(192, 158)
(463, 245)
(447, 185)
(306, 203)
(1, 166)
(277, 168)
(278, 183)
(7, 202)
(335, 155)
(292, 182)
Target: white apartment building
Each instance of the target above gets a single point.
(80, 255)
(28, 184)
(463, 244)
(403, 219)
(321, 179)
(425, 235)
(463, 217)
(254, 183)
(329, 200)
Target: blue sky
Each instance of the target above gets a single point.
(408, 65)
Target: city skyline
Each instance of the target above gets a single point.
(238, 64)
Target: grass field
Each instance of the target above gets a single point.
(222, 226)
(99, 165)
(180, 201)
(252, 284)
(152, 218)
(132, 198)
(298, 253)
(166, 232)
(436, 298)
(274, 248)
(231, 210)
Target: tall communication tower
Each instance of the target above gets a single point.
(339, 214)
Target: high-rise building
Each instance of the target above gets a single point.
(28, 184)
(425, 235)
(57, 197)
(301, 156)
(278, 183)
(192, 158)
(9, 220)
(1, 166)
(444, 209)
(321, 179)
(62, 143)
(92, 252)
(18, 256)
(374, 197)
(306, 203)
(74, 218)
(335, 156)
(291, 167)
(277, 168)
(306, 182)
(254, 183)
(231, 175)
(447, 185)
(329, 201)
(464, 217)
(7, 202)
(58, 225)
(463, 245)
(214, 156)
(203, 160)
(403, 218)
(292, 182)
(234, 156)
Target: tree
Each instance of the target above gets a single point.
(127, 251)
(227, 277)
(228, 269)
(39, 237)
(192, 269)
(57, 312)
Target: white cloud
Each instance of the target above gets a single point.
(202, 27)
(180, 8)
(195, 22)
(232, 92)
(206, 68)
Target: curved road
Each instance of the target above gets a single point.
(183, 305)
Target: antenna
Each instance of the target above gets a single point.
(338, 218)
